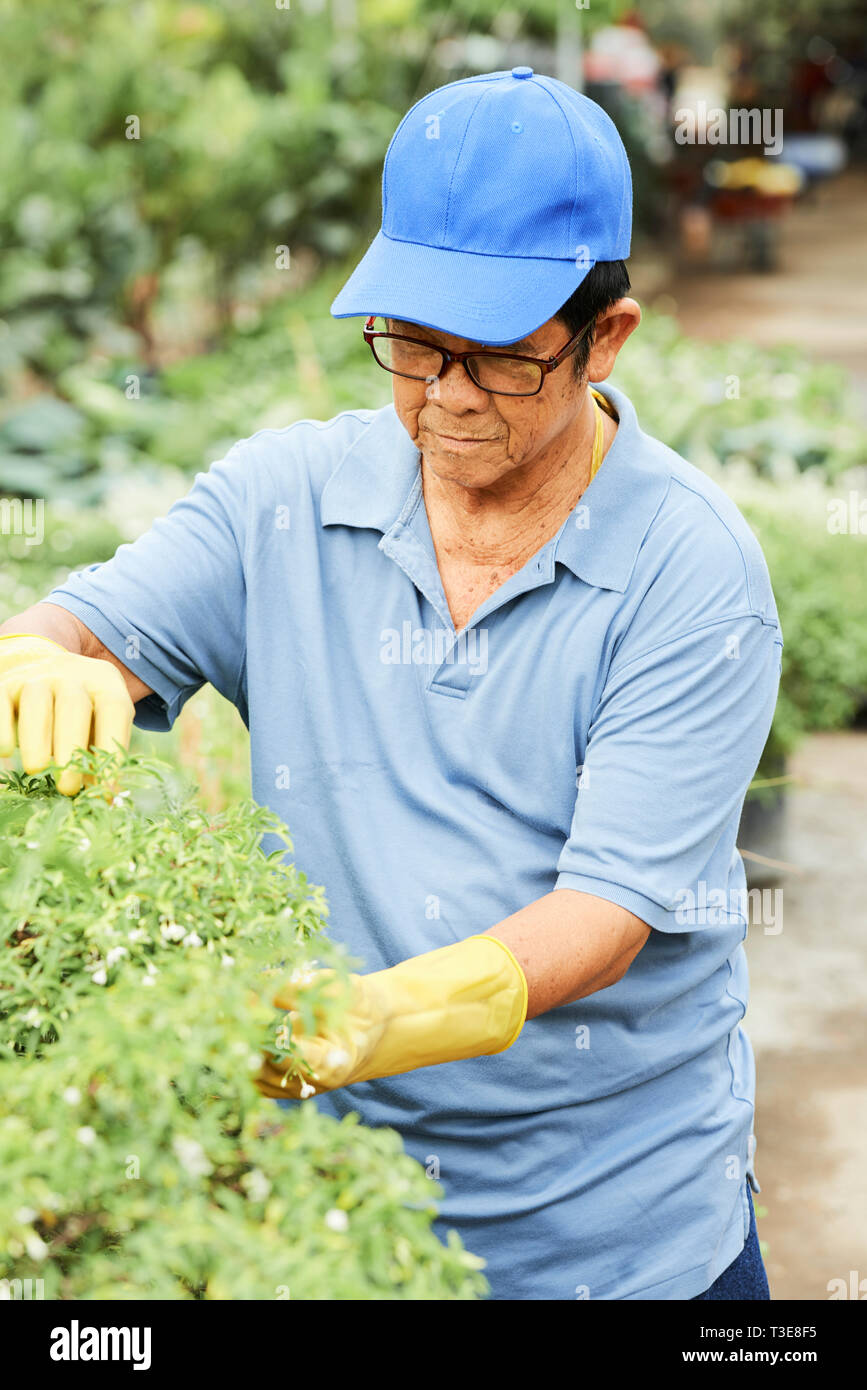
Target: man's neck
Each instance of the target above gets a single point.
(503, 526)
(483, 536)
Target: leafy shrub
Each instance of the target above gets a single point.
(90, 892)
(140, 938)
(818, 580)
(788, 439)
(769, 410)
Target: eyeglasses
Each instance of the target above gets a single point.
(503, 374)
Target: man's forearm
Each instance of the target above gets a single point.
(47, 620)
(52, 621)
(569, 945)
(466, 1000)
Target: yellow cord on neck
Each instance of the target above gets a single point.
(598, 441)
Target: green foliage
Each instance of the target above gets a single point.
(141, 941)
(68, 539)
(782, 436)
(241, 142)
(768, 411)
(90, 893)
(821, 597)
(293, 361)
(179, 139)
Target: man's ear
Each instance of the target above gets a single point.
(612, 329)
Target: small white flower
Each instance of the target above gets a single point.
(256, 1184)
(192, 939)
(307, 1090)
(100, 977)
(84, 844)
(72, 1095)
(137, 934)
(173, 932)
(337, 1220)
(132, 866)
(192, 1156)
(86, 1135)
(227, 960)
(115, 954)
(120, 798)
(35, 1246)
(33, 1017)
(26, 1214)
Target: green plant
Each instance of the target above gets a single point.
(780, 435)
(737, 407)
(818, 580)
(141, 937)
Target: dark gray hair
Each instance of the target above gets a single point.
(601, 287)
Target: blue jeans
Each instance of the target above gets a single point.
(745, 1277)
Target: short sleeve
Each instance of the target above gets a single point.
(171, 605)
(672, 747)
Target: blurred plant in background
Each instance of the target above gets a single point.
(783, 437)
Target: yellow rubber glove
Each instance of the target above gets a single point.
(57, 695)
(465, 1000)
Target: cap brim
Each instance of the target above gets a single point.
(488, 299)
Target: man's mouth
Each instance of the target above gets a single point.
(459, 442)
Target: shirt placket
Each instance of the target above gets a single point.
(409, 544)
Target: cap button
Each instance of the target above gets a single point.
(522, 72)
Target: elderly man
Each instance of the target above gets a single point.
(508, 666)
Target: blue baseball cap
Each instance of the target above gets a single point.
(499, 193)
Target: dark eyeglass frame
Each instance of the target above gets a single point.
(546, 364)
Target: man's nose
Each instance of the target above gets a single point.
(455, 387)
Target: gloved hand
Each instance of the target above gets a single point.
(464, 1000)
(56, 695)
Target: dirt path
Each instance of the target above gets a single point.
(808, 1024)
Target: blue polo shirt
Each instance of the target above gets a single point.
(595, 728)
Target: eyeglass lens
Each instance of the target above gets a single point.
(507, 375)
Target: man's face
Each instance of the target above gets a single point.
(475, 438)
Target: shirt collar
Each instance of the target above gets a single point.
(601, 538)
(373, 480)
(374, 486)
